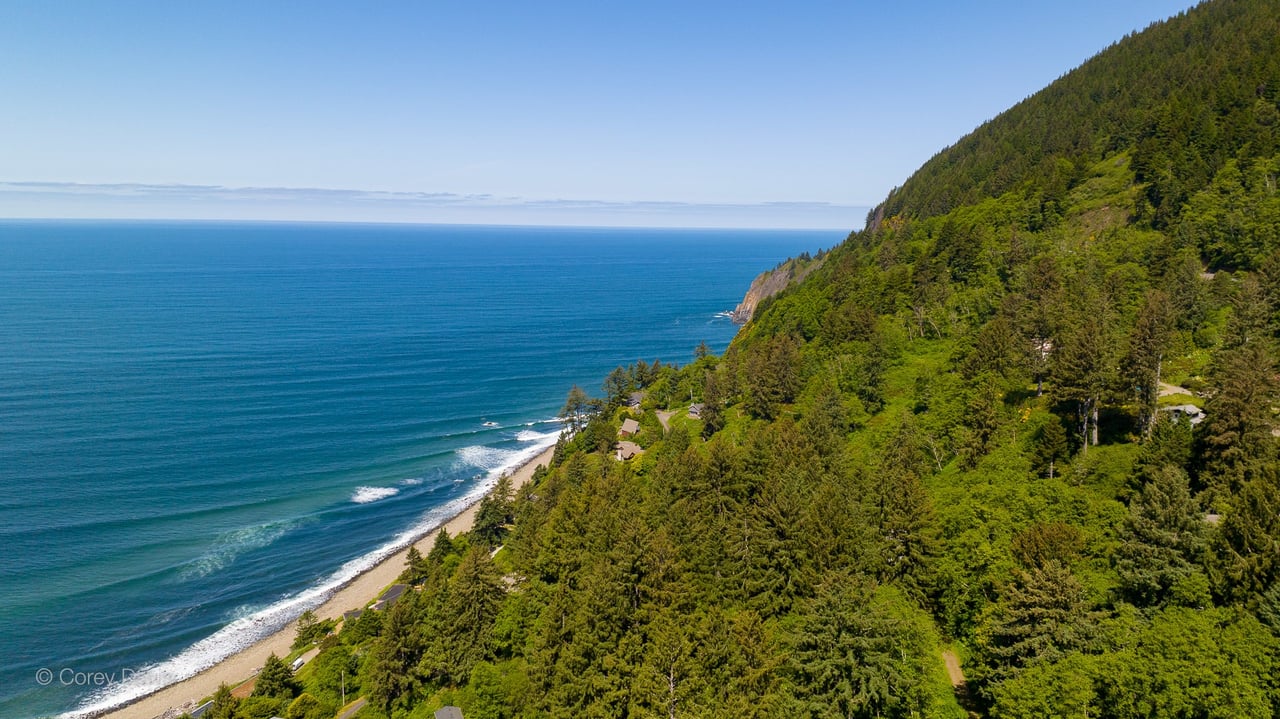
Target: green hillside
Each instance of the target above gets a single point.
(955, 443)
(1184, 98)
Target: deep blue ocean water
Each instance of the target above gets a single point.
(205, 427)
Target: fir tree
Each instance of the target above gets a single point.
(1268, 610)
(275, 680)
(1169, 445)
(440, 548)
(616, 386)
(666, 680)
(908, 530)
(1047, 543)
(311, 629)
(772, 376)
(494, 514)
(466, 618)
(392, 674)
(998, 349)
(713, 404)
(1145, 359)
(1248, 545)
(1162, 541)
(1082, 367)
(856, 657)
(826, 420)
(1042, 616)
(415, 566)
(1040, 315)
(224, 703)
(1236, 433)
(577, 408)
(1049, 447)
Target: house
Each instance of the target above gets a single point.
(695, 410)
(629, 427)
(351, 616)
(635, 399)
(389, 597)
(393, 592)
(627, 450)
(1194, 414)
(449, 712)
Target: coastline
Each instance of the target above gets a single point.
(183, 696)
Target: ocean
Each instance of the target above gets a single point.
(207, 427)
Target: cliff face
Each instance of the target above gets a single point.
(770, 283)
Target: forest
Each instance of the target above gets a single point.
(1009, 451)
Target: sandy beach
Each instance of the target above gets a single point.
(184, 695)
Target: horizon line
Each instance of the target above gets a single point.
(407, 223)
(176, 202)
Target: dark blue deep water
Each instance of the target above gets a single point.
(204, 427)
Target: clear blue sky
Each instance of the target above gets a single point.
(557, 112)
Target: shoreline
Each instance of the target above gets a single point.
(184, 695)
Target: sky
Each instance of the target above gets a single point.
(730, 114)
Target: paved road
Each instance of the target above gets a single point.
(356, 706)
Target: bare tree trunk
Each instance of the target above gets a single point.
(937, 332)
(671, 692)
(1082, 413)
(935, 450)
(1151, 408)
(1095, 423)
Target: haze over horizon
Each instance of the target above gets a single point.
(576, 114)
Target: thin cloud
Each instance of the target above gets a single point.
(164, 201)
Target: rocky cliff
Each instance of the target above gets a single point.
(771, 282)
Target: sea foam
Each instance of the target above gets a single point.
(528, 435)
(232, 544)
(253, 626)
(483, 457)
(365, 495)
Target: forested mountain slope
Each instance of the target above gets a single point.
(1028, 415)
(1183, 97)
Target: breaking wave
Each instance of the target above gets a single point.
(365, 495)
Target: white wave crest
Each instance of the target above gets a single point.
(527, 435)
(365, 495)
(411, 481)
(484, 457)
(244, 631)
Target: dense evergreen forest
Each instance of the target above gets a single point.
(1023, 424)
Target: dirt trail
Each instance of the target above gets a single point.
(1167, 389)
(664, 416)
(954, 673)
